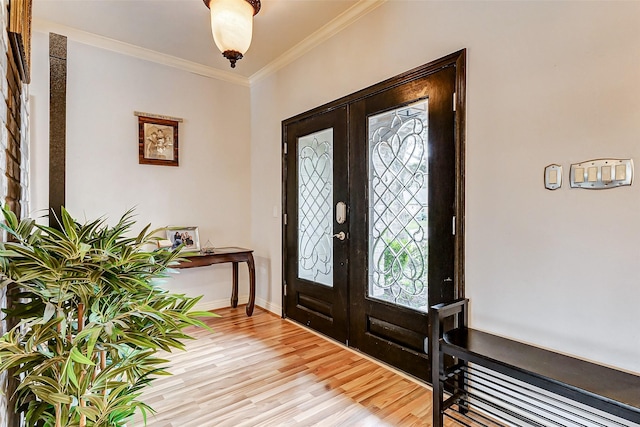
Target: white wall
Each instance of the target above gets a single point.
(547, 82)
(210, 188)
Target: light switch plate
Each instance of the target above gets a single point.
(601, 174)
(553, 177)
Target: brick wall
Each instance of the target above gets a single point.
(4, 91)
(4, 183)
(14, 166)
(15, 94)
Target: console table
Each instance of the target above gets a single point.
(223, 255)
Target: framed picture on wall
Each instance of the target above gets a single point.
(157, 140)
(187, 236)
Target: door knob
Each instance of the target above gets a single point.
(340, 235)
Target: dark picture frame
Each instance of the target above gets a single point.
(157, 141)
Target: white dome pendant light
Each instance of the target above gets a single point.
(232, 26)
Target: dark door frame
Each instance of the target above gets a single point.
(456, 59)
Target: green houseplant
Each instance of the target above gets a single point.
(91, 319)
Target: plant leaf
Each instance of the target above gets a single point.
(49, 311)
(78, 357)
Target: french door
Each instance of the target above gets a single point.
(372, 194)
(316, 290)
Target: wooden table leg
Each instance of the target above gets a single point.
(234, 288)
(252, 284)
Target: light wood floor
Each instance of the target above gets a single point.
(264, 371)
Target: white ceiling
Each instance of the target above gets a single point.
(181, 28)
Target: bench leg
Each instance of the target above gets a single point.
(437, 366)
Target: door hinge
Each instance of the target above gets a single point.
(453, 226)
(454, 101)
(285, 219)
(285, 289)
(285, 148)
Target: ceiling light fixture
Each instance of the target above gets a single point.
(232, 26)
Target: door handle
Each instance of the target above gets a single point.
(340, 235)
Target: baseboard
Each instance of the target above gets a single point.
(269, 306)
(242, 299)
(220, 303)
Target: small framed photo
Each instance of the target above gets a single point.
(158, 141)
(186, 236)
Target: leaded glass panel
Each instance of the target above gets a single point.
(398, 206)
(315, 207)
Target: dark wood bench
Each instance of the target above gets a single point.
(454, 346)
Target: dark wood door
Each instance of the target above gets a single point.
(403, 189)
(396, 157)
(316, 191)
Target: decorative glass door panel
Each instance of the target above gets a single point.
(315, 207)
(398, 211)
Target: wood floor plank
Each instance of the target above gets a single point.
(264, 371)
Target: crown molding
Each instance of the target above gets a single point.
(342, 21)
(44, 26)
